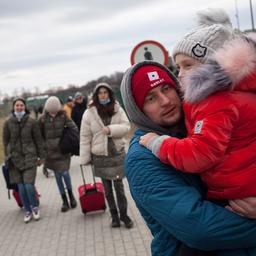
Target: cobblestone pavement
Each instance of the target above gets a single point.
(70, 233)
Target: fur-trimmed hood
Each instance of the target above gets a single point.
(232, 67)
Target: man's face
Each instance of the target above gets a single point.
(79, 99)
(163, 106)
(70, 104)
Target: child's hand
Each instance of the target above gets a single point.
(245, 207)
(145, 139)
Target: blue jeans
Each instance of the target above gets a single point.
(60, 176)
(28, 196)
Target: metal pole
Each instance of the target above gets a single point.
(237, 16)
(252, 15)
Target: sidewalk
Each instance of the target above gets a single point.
(70, 233)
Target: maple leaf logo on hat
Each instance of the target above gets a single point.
(153, 76)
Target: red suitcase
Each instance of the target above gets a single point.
(16, 196)
(91, 195)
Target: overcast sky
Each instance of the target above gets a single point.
(46, 43)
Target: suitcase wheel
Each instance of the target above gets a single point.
(84, 211)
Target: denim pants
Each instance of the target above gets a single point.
(60, 176)
(28, 196)
(120, 195)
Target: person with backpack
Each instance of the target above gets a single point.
(24, 151)
(52, 124)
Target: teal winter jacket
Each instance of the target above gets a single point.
(173, 207)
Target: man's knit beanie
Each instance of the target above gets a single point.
(213, 31)
(147, 77)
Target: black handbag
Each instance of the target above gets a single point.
(69, 142)
(9, 185)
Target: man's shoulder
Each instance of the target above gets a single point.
(134, 145)
(138, 157)
(66, 106)
(75, 107)
(144, 171)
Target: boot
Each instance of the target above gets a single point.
(115, 219)
(72, 199)
(65, 205)
(126, 220)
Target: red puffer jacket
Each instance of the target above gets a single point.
(221, 124)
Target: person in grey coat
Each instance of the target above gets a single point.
(24, 151)
(52, 123)
(104, 125)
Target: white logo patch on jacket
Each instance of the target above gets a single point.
(198, 127)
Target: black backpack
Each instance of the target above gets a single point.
(69, 142)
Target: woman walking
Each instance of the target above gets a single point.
(52, 123)
(103, 127)
(23, 148)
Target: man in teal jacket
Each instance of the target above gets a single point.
(172, 202)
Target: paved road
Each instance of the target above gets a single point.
(70, 233)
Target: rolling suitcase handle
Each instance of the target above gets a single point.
(82, 172)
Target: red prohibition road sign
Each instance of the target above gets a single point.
(149, 50)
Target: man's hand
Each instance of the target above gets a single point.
(105, 130)
(245, 207)
(145, 139)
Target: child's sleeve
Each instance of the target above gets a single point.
(206, 144)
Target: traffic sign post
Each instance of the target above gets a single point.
(149, 50)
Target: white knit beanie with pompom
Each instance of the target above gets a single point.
(213, 29)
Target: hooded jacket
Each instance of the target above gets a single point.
(52, 130)
(78, 111)
(23, 144)
(220, 112)
(92, 139)
(171, 202)
(23, 141)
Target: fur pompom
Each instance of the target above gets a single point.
(213, 16)
(237, 58)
